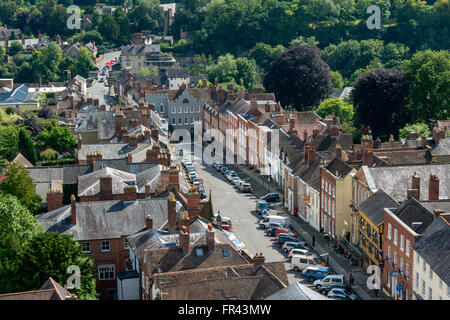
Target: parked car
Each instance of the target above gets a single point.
(224, 171)
(236, 181)
(202, 192)
(219, 167)
(314, 273)
(285, 238)
(215, 164)
(261, 205)
(341, 293)
(289, 245)
(301, 262)
(226, 227)
(271, 197)
(283, 230)
(245, 187)
(196, 181)
(101, 79)
(294, 251)
(329, 280)
(226, 220)
(325, 290)
(266, 222)
(231, 175)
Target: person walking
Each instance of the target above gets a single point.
(375, 289)
(313, 240)
(350, 278)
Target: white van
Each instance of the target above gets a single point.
(274, 219)
(300, 262)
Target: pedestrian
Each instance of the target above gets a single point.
(350, 278)
(375, 289)
(313, 240)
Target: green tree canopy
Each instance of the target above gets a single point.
(225, 70)
(246, 72)
(337, 80)
(84, 63)
(420, 128)
(19, 184)
(147, 15)
(49, 255)
(146, 72)
(429, 95)
(56, 137)
(338, 108)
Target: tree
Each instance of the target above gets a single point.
(246, 72)
(26, 146)
(299, 77)
(201, 63)
(336, 80)
(225, 70)
(146, 72)
(429, 95)
(15, 48)
(84, 63)
(17, 228)
(379, 98)
(19, 184)
(336, 107)
(49, 254)
(147, 15)
(303, 40)
(58, 138)
(109, 27)
(264, 54)
(421, 128)
(9, 142)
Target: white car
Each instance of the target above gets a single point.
(299, 251)
(329, 281)
(341, 294)
(236, 181)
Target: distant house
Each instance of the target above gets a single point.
(50, 290)
(342, 93)
(20, 98)
(144, 55)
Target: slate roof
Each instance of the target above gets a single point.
(403, 157)
(443, 148)
(164, 260)
(434, 247)
(177, 73)
(297, 291)
(139, 49)
(71, 172)
(443, 205)
(338, 167)
(373, 207)
(111, 150)
(46, 174)
(18, 96)
(105, 219)
(342, 93)
(241, 282)
(89, 184)
(396, 180)
(325, 142)
(91, 124)
(412, 211)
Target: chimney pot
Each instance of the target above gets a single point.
(149, 222)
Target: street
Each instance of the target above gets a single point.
(98, 90)
(240, 208)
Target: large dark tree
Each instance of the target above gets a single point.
(379, 98)
(299, 77)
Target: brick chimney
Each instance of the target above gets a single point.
(436, 135)
(106, 187)
(96, 102)
(133, 141)
(184, 239)
(258, 259)
(144, 118)
(253, 105)
(92, 156)
(149, 222)
(315, 132)
(130, 193)
(193, 202)
(155, 132)
(391, 141)
(433, 188)
(54, 200)
(213, 91)
(174, 176)
(305, 135)
(367, 158)
(415, 187)
(334, 131)
(147, 189)
(339, 150)
(377, 144)
(103, 107)
(129, 157)
(69, 76)
(172, 212)
(413, 135)
(424, 142)
(80, 141)
(137, 38)
(210, 238)
(89, 100)
(73, 209)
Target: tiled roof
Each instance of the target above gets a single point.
(373, 207)
(434, 247)
(338, 167)
(46, 174)
(50, 290)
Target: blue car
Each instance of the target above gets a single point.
(314, 273)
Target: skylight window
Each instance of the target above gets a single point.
(199, 252)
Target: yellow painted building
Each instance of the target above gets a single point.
(371, 226)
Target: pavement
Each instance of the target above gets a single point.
(337, 262)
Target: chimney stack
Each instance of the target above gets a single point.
(149, 222)
(424, 142)
(73, 209)
(172, 212)
(413, 135)
(130, 193)
(391, 141)
(106, 187)
(258, 259)
(184, 239)
(54, 200)
(210, 238)
(433, 188)
(436, 135)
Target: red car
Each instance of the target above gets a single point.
(226, 227)
(283, 230)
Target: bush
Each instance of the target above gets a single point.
(49, 154)
(58, 162)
